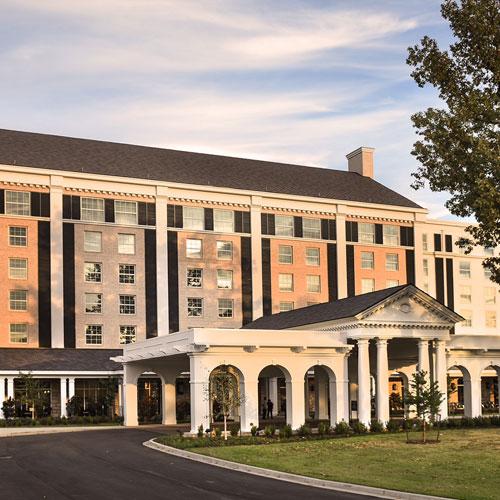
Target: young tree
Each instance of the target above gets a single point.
(31, 395)
(425, 397)
(224, 391)
(9, 408)
(459, 148)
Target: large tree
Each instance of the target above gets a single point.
(458, 148)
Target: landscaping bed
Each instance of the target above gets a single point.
(60, 421)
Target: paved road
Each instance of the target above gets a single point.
(114, 465)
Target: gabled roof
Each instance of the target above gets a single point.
(25, 359)
(338, 309)
(168, 165)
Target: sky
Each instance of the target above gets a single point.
(296, 81)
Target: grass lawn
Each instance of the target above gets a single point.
(466, 464)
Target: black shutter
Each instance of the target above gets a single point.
(141, 213)
(379, 234)
(439, 280)
(333, 287)
(411, 236)
(403, 236)
(151, 214)
(2, 201)
(238, 221)
(209, 219)
(271, 224)
(178, 216)
(66, 206)
(246, 279)
(171, 215)
(332, 225)
(35, 204)
(448, 243)
(410, 267)
(351, 231)
(109, 210)
(437, 242)
(173, 282)
(325, 229)
(45, 204)
(266, 277)
(351, 284)
(264, 227)
(450, 295)
(44, 299)
(69, 283)
(150, 283)
(246, 224)
(297, 227)
(75, 207)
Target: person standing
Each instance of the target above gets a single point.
(270, 406)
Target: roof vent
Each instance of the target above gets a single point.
(360, 161)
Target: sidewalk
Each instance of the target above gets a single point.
(33, 431)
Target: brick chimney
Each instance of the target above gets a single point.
(360, 161)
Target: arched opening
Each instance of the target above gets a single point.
(490, 378)
(319, 392)
(459, 392)
(398, 385)
(274, 393)
(232, 406)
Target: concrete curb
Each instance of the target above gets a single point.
(357, 489)
(38, 431)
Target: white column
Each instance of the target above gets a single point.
(297, 406)
(64, 399)
(423, 356)
(10, 387)
(273, 394)
(169, 414)
(130, 417)
(256, 236)
(475, 397)
(346, 415)
(250, 406)
(321, 392)
(382, 382)
(441, 375)
(120, 398)
(306, 397)
(200, 407)
(56, 261)
(341, 252)
(162, 260)
(2, 395)
(364, 404)
(71, 387)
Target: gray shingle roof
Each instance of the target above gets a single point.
(24, 359)
(140, 162)
(328, 311)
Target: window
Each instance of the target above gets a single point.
(194, 278)
(467, 315)
(487, 273)
(18, 269)
(366, 232)
(193, 218)
(92, 272)
(225, 308)
(92, 241)
(92, 209)
(425, 244)
(18, 236)
(311, 228)
(225, 250)
(285, 254)
(489, 251)
(312, 256)
(491, 319)
(127, 304)
(18, 300)
(194, 249)
(93, 303)
(283, 225)
(367, 285)
(489, 295)
(224, 278)
(464, 269)
(18, 333)
(127, 334)
(391, 235)
(391, 283)
(367, 260)
(425, 267)
(313, 283)
(126, 274)
(125, 212)
(392, 262)
(195, 307)
(286, 306)
(286, 282)
(224, 221)
(465, 294)
(17, 203)
(126, 244)
(93, 334)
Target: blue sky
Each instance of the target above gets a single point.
(293, 81)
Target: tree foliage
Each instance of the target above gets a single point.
(458, 148)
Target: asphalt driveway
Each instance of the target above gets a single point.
(113, 464)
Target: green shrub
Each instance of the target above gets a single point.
(234, 429)
(323, 428)
(286, 432)
(270, 431)
(359, 428)
(376, 426)
(254, 430)
(342, 428)
(393, 426)
(467, 422)
(481, 421)
(200, 432)
(218, 432)
(495, 420)
(304, 431)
